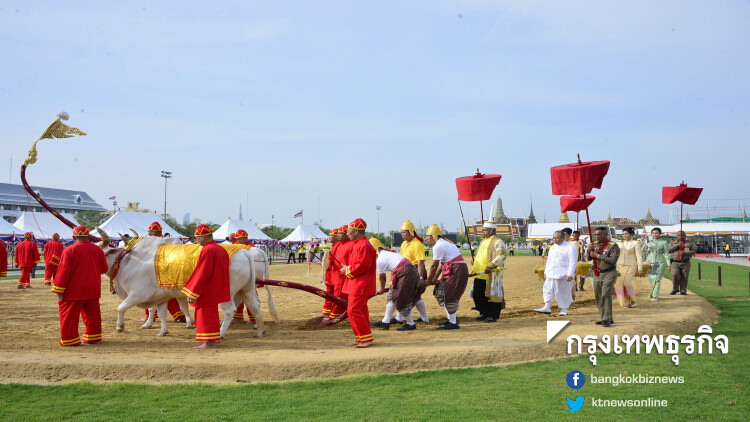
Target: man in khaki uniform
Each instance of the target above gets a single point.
(680, 252)
(604, 255)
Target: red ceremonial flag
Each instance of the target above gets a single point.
(681, 193)
(575, 203)
(578, 178)
(478, 187)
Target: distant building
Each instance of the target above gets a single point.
(14, 201)
(132, 206)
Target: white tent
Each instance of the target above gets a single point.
(231, 226)
(44, 224)
(122, 221)
(305, 233)
(541, 231)
(704, 229)
(8, 229)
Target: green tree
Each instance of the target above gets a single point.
(276, 232)
(91, 219)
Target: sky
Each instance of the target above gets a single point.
(336, 107)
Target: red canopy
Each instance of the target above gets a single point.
(575, 203)
(478, 187)
(682, 193)
(578, 178)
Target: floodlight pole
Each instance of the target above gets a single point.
(166, 175)
(378, 207)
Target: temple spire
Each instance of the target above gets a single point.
(531, 219)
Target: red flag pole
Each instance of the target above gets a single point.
(588, 222)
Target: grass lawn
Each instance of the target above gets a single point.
(715, 387)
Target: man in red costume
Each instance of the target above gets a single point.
(338, 251)
(239, 316)
(52, 254)
(359, 269)
(208, 287)
(78, 285)
(27, 255)
(327, 263)
(173, 306)
(3, 259)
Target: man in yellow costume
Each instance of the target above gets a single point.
(414, 250)
(487, 271)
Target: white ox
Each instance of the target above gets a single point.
(137, 285)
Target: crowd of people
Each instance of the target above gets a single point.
(614, 266)
(355, 269)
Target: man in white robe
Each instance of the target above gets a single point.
(559, 275)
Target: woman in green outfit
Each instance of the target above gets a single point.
(657, 254)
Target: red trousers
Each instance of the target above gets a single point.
(328, 305)
(338, 310)
(207, 324)
(359, 318)
(49, 273)
(239, 313)
(25, 279)
(92, 319)
(173, 306)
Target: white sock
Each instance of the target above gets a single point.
(451, 317)
(547, 305)
(399, 318)
(389, 308)
(422, 308)
(410, 319)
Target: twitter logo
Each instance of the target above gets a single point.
(575, 405)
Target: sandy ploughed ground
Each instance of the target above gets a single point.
(292, 349)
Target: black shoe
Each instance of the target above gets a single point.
(683, 293)
(444, 322)
(474, 308)
(180, 319)
(449, 326)
(606, 323)
(381, 324)
(481, 317)
(407, 327)
(419, 320)
(598, 322)
(395, 321)
(673, 292)
(491, 319)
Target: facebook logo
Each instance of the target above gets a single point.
(575, 379)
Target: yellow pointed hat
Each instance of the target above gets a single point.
(408, 225)
(434, 230)
(376, 243)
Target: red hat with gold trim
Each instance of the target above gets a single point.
(55, 236)
(240, 233)
(203, 230)
(155, 226)
(343, 228)
(232, 235)
(334, 231)
(81, 231)
(358, 224)
(28, 235)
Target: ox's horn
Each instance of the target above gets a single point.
(135, 232)
(105, 238)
